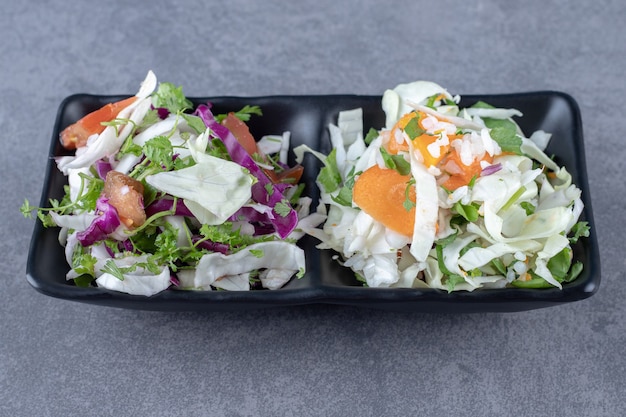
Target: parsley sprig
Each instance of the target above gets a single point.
(244, 114)
(87, 195)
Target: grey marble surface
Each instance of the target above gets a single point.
(61, 358)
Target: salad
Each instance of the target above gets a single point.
(161, 195)
(446, 197)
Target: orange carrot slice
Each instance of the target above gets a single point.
(381, 194)
(76, 135)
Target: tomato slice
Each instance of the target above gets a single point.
(240, 130)
(76, 135)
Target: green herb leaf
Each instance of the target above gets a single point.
(560, 263)
(224, 233)
(580, 229)
(504, 132)
(498, 266)
(574, 271)
(468, 212)
(182, 163)
(159, 150)
(171, 97)
(45, 219)
(87, 200)
(27, 210)
(116, 124)
(329, 176)
(283, 208)
(166, 243)
(432, 100)
(195, 123)
(463, 251)
(83, 263)
(344, 197)
(243, 114)
(413, 129)
(111, 268)
(83, 281)
(396, 162)
(113, 246)
(535, 282)
(458, 220)
(408, 204)
(257, 253)
(144, 241)
(149, 193)
(88, 193)
(130, 147)
(482, 105)
(448, 239)
(296, 193)
(371, 135)
(151, 117)
(217, 149)
(528, 207)
(451, 279)
(361, 279)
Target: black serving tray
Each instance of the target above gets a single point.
(307, 118)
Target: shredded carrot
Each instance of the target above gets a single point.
(76, 135)
(457, 180)
(392, 146)
(421, 143)
(381, 194)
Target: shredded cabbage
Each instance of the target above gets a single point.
(276, 255)
(492, 210)
(190, 209)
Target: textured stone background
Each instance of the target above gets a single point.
(63, 358)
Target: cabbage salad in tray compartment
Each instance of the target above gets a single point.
(447, 198)
(161, 195)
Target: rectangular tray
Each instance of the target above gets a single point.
(307, 118)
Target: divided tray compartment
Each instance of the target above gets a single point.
(307, 118)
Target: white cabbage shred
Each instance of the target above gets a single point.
(281, 260)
